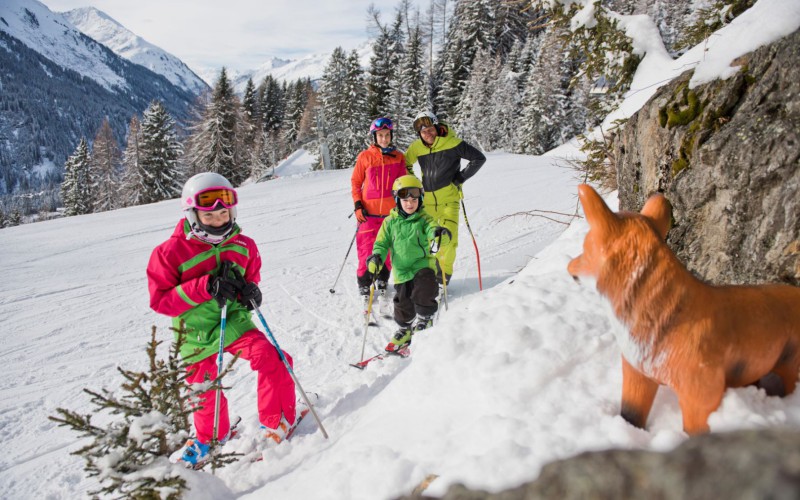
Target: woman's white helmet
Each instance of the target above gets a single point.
(196, 185)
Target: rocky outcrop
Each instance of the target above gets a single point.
(727, 156)
(742, 464)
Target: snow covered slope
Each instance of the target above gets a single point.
(510, 378)
(102, 28)
(54, 37)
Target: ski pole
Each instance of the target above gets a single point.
(288, 367)
(333, 288)
(367, 315)
(475, 244)
(218, 397)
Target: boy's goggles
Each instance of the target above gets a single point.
(211, 199)
(423, 122)
(406, 193)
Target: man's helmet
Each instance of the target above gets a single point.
(407, 186)
(425, 119)
(209, 191)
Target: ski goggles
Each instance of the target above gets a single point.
(381, 124)
(406, 193)
(423, 122)
(211, 198)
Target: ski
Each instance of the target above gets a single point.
(402, 353)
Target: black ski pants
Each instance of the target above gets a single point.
(417, 296)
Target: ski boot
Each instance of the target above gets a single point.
(400, 340)
(422, 322)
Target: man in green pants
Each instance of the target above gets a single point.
(439, 153)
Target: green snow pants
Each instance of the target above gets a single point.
(443, 205)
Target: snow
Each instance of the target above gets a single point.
(525, 372)
(510, 378)
(102, 28)
(54, 37)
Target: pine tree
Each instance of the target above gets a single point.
(344, 107)
(132, 184)
(544, 105)
(159, 154)
(105, 167)
(409, 91)
(471, 30)
(475, 106)
(76, 190)
(150, 421)
(216, 141)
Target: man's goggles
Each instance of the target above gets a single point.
(211, 199)
(423, 122)
(406, 193)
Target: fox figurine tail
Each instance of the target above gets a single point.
(695, 338)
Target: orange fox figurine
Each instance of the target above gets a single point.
(695, 338)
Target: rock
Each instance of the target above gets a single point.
(727, 156)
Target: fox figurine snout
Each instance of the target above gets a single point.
(695, 338)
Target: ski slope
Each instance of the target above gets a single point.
(510, 378)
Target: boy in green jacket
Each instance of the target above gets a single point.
(408, 232)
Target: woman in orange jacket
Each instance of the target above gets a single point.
(376, 169)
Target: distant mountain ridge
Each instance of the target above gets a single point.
(102, 28)
(56, 86)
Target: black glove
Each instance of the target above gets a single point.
(459, 179)
(442, 231)
(374, 263)
(223, 287)
(248, 291)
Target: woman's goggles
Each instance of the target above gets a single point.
(406, 193)
(423, 122)
(210, 199)
(381, 124)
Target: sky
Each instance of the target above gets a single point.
(241, 34)
(509, 378)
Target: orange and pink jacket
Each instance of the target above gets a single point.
(373, 177)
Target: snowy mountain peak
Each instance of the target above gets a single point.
(53, 36)
(104, 29)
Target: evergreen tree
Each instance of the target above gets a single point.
(409, 92)
(545, 103)
(105, 167)
(159, 154)
(344, 107)
(216, 142)
(474, 108)
(130, 457)
(133, 174)
(471, 30)
(76, 190)
(251, 129)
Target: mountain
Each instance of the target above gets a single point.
(311, 66)
(102, 28)
(57, 86)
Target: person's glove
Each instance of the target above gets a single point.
(458, 180)
(438, 234)
(222, 287)
(374, 263)
(361, 214)
(248, 291)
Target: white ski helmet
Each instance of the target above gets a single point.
(219, 193)
(424, 119)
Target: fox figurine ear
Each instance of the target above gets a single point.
(598, 215)
(659, 211)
